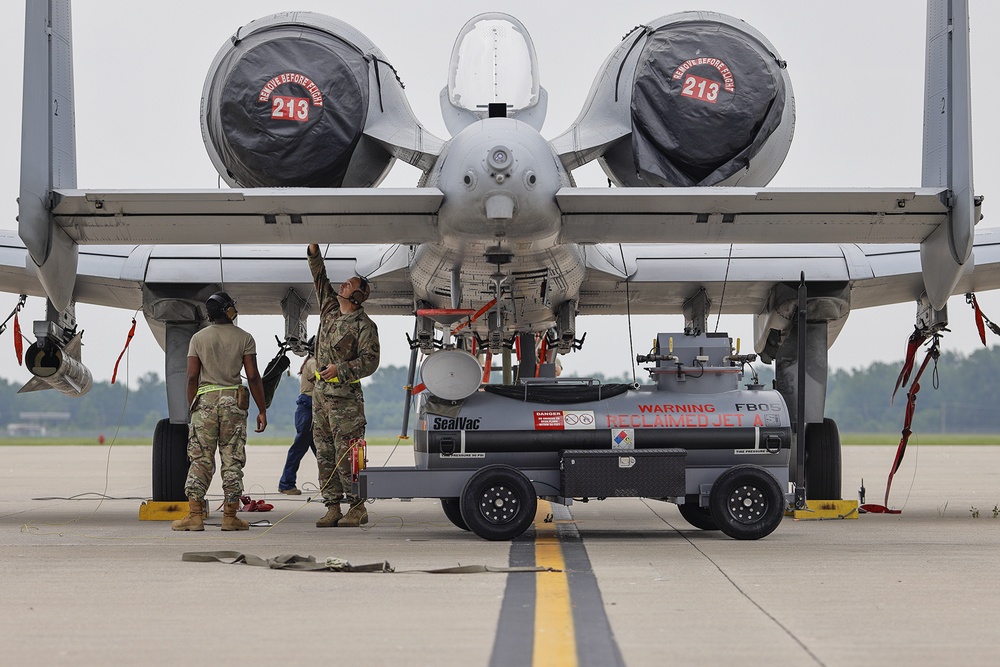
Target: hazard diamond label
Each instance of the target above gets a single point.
(623, 439)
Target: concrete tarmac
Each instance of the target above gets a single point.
(85, 582)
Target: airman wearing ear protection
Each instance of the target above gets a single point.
(216, 356)
(346, 350)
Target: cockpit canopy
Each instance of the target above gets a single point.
(493, 61)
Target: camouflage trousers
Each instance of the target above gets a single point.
(336, 422)
(216, 423)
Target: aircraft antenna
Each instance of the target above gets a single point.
(628, 314)
(725, 280)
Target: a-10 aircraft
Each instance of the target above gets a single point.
(303, 116)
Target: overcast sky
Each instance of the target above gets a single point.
(857, 72)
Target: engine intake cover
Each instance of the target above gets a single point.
(706, 96)
(286, 107)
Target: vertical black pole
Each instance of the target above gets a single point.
(410, 377)
(800, 402)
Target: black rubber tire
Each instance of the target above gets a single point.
(824, 467)
(498, 503)
(747, 502)
(453, 510)
(170, 461)
(699, 517)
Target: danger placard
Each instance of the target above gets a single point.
(559, 420)
(549, 420)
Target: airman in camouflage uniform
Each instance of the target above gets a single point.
(216, 356)
(346, 350)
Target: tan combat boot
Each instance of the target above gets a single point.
(229, 519)
(332, 516)
(195, 518)
(355, 516)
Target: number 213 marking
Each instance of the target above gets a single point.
(290, 108)
(701, 89)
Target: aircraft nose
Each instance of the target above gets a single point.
(499, 180)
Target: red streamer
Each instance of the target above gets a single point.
(131, 332)
(18, 341)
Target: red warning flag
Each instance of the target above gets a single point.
(131, 332)
(18, 341)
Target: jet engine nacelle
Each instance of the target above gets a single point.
(288, 99)
(59, 369)
(692, 99)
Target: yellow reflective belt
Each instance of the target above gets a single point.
(204, 389)
(334, 379)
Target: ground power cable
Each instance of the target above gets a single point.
(187, 536)
(738, 588)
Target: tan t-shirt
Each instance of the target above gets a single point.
(220, 348)
(308, 379)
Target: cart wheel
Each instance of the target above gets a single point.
(747, 502)
(697, 516)
(453, 510)
(498, 503)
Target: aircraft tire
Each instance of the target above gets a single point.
(747, 502)
(170, 462)
(824, 474)
(498, 503)
(699, 517)
(453, 510)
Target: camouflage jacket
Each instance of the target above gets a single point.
(350, 341)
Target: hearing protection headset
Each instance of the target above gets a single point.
(363, 292)
(221, 305)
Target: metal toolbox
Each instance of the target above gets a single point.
(611, 473)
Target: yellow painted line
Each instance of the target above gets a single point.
(555, 637)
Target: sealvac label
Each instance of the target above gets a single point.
(455, 423)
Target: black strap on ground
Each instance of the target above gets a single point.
(310, 564)
(283, 562)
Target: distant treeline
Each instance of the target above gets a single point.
(859, 400)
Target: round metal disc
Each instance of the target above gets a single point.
(451, 374)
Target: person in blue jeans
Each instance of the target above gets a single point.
(303, 429)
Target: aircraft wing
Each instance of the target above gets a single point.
(589, 215)
(662, 277)
(257, 276)
(750, 215)
(250, 216)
